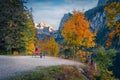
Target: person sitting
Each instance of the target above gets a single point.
(36, 52)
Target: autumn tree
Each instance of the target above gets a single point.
(48, 45)
(113, 22)
(53, 47)
(42, 45)
(113, 17)
(76, 32)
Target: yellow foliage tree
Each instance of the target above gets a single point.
(113, 10)
(49, 45)
(53, 47)
(81, 55)
(76, 32)
(30, 48)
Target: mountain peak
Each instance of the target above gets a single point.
(43, 30)
(43, 25)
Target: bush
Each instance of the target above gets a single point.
(104, 59)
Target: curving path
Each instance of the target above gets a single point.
(12, 65)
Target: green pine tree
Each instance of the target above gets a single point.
(15, 21)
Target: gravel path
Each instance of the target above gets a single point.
(12, 65)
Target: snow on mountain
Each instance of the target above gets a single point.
(43, 30)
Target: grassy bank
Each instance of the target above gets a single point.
(51, 73)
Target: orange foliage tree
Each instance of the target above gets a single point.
(49, 45)
(76, 32)
(113, 10)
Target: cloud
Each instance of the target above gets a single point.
(52, 12)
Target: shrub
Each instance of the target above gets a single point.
(104, 59)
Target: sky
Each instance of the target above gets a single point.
(52, 11)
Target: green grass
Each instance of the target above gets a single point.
(51, 73)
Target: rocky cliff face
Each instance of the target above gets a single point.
(97, 19)
(63, 20)
(97, 16)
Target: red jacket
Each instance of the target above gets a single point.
(37, 52)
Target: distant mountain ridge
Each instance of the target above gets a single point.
(96, 16)
(42, 25)
(44, 30)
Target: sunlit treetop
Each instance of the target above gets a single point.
(76, 31)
